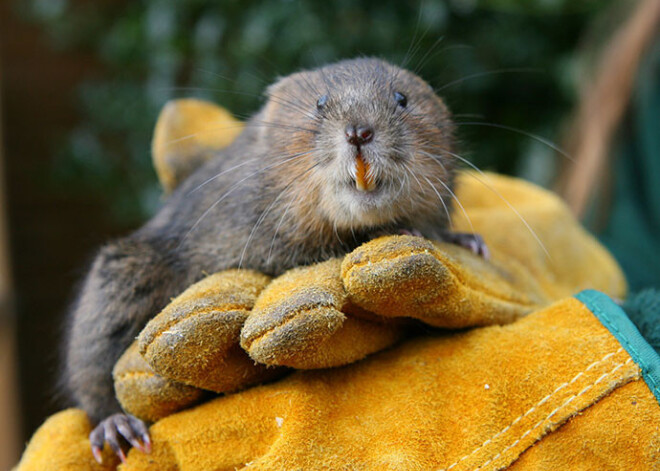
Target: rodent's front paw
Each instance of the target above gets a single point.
(299, 321)
(195, 339)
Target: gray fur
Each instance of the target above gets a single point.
(260, 205)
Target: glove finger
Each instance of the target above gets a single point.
(299, 321)
(144, 393)
(441, 284)
(194, 340)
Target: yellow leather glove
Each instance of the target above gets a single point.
(339, 311)
(555, 390)
(476, 399)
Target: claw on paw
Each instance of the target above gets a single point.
(115, 429)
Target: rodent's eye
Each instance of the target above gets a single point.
(401, 99)
(321, 102)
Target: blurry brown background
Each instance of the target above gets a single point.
(50, 235)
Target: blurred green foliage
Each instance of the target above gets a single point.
(507, 62)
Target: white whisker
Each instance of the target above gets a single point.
(263, 215)
(234, 187)
(520, 131)
(494, 190)
(444, 205)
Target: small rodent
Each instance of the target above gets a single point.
(336, 156)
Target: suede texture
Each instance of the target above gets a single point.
(444, 285)
(147, 394)
(304, 320)
(553, 390)
(189, 132)
(235, 328)
(198, 331)
(485, 398)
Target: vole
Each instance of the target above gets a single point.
(336, 156)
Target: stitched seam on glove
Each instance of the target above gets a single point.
(248, 341)
(133, 374)
(462, 281)
(540, 403)
(567, 402)
(222, 309)
(617, 322)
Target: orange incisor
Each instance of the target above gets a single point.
(363, 179)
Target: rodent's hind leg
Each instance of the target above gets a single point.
(112, 429)
(143, 395)
(195, 339)
(473, 242)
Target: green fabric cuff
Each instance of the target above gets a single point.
(614, 318)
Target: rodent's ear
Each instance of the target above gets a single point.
(189, 132)
(278, 97)
(275, 88)
(285, 86)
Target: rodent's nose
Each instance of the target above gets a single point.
(359, 135)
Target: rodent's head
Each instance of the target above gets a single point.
(368, 144)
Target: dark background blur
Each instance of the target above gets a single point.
(82, 84)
